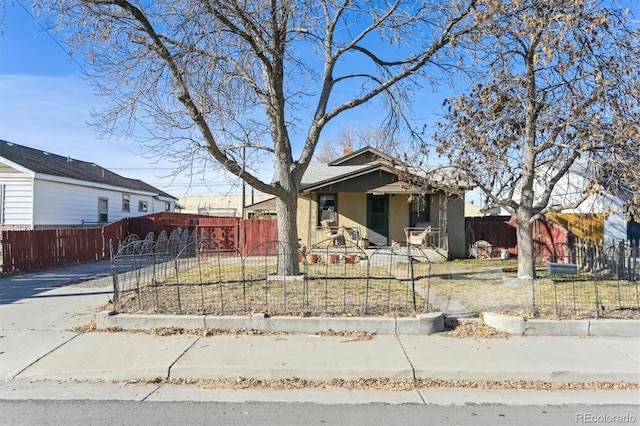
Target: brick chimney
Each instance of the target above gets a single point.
(346, 150)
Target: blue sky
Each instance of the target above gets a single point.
(45, 103)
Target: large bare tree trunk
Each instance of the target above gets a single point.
(526, 258)
(286, 208)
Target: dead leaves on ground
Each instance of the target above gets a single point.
(472, 328)
(383, 384)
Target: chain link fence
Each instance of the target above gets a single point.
(178, 274)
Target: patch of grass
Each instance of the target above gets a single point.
(491, 285)
(220, 289)
(580, 298)
(217, 287)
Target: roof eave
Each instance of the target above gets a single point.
(355, 153)
(18, 167)
(341, 178)
(87, 183)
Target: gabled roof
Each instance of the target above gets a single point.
(366, 155)
(357, 163)
(367, 160)
(323, 172)
(45, 163)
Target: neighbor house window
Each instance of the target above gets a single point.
(167, 207)
(126, 202)
(328, 208)
(103, 210)
(142, 206)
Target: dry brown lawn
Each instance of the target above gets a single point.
(340, 290)
(343, 290)
(491, 285)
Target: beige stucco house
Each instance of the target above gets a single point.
(363, 194)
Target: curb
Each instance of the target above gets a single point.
(422, 324)
(540, 327)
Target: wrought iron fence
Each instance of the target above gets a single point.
(179, 274)
(593, 281)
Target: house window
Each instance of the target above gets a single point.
(103, 210)
(142, 206)
(328, 208)
(126, 202)
(419, 209)
(167, 207)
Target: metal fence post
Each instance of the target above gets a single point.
(595, 288)
(413, 279)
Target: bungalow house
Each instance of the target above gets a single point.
(43, 190)
(362, 194)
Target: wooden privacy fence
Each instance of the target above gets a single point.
(46, 248)
(493, 229)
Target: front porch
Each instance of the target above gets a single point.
(374, 220)
(366, 197)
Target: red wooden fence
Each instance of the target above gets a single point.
(45, 248)
(167, 221)
(552, 242)
(223, 231)
(39, 249)
(255, 232)
(494, 229)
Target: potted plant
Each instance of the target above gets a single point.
(350, 258)
(302, 250)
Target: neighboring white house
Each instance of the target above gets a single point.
(616, 226)
(43, 190)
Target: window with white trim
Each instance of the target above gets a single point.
(103, 210)
(126, 202)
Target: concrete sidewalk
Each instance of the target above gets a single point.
(38, 343)
(65, 355)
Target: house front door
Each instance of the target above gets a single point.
(378, 219)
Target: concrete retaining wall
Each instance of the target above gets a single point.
(541, 327)
(421, 324)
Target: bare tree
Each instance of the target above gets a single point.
(559, 92)
(212, 78)
(353, 137)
